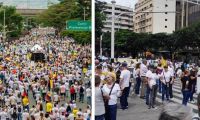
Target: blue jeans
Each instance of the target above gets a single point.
(112, 110)
(137, 86)
(165, 92)
(124, 98)
(159, 86)
(89, 100)
(186, 95)
(100, 117)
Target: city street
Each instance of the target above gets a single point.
(138, 110)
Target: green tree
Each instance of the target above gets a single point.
(57, 15)
(13, 21)
(99, 18)
(80, 37)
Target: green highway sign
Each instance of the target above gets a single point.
(76, 25)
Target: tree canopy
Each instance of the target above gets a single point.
(132, 43)
(57, 15)
(13, 21)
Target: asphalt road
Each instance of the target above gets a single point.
(138, 110)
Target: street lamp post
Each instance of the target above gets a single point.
(113, 31)
(84, 13)
(101, 45)
(4, 24)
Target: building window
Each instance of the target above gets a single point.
(165, 26)
(165, 19)
(151, 5)
(166, 5)
(165, 12)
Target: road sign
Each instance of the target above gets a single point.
(76, 25)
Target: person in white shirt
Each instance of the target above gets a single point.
(138, 79)
(89, 94)
(125, 86)
(143, 71)
(25, 115)
(113, 90)
(165, 79)
(151, 86)
(99, 102)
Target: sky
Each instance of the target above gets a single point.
(34, 4)
(128, 3)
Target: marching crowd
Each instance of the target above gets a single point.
(147, 77)
(52, 88)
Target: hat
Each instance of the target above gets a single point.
(124, 64)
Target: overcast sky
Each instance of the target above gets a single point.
(128, 3)
(35, 4)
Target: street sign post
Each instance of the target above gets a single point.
(76, 25)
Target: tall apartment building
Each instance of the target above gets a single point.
(191, 13)
(154, 16)
(123, 18)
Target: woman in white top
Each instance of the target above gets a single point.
(151, 86)
(138, 79)
(113, 90)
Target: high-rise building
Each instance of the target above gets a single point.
(123, 18)
(189, 15)
(154, 16)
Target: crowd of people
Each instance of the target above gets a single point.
(147, 77)
(54, 85)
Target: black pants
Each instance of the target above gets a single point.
(72, 97)
(170, 91)
(124, 98)
(81, 97)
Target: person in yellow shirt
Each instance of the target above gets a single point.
(49, 107)
(75, 111)
(25, 102)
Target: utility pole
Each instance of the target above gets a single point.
(186, 19)
(183, 11)
(84, 13)
(101, 45)
(4, 25)
(113, 31)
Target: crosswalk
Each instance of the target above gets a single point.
(177, 96)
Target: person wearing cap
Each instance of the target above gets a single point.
(143, 71)
(151, 86)
(125, 86)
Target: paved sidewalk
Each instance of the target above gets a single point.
(138, 110)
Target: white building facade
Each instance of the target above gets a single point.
(123, 18)
(155, 16)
